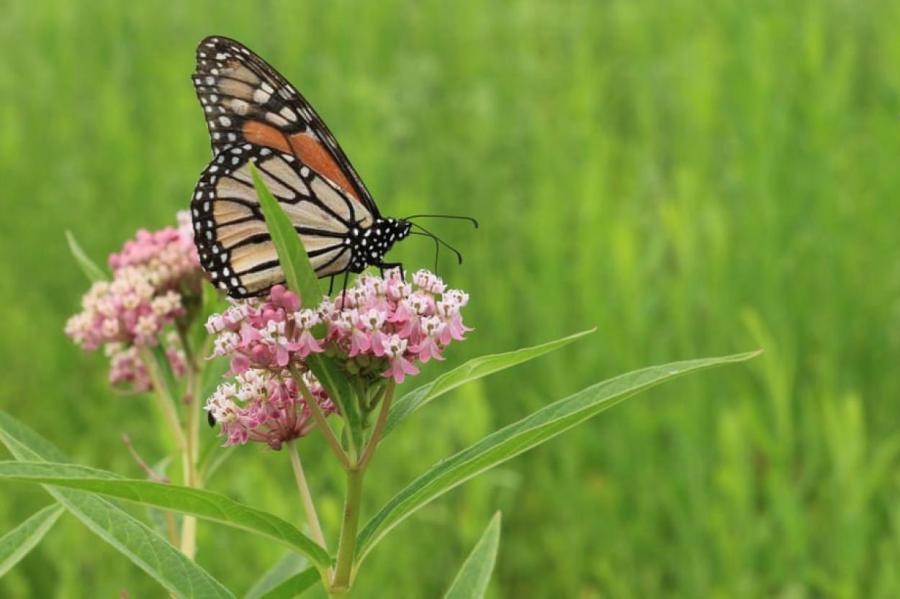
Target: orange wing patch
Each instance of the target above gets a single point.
(264, 135)
(312, 153)
(305, 147)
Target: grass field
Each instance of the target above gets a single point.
(693, 178)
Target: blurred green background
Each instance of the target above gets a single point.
(694, 178)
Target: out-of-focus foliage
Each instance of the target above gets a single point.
(694, 178)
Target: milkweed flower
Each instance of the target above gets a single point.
(379, 328)
(155, 281)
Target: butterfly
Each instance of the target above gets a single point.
(256, 117)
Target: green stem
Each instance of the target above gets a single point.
(319, 417)
(386, 400)
(349, 524)
(309, 507)
(164, 398)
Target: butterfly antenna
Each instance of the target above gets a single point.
(437, 239)
(450, 216)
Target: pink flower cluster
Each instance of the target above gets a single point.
(146, 294)
(378, 328)
(264, 407)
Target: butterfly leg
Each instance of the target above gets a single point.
(331, 285)
(344, 290)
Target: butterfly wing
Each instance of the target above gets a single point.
(248, 101)
(235, 248)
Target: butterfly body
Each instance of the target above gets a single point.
(256, 117)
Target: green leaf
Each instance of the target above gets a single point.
(93, 272)
(336, 384)
(298, 272)
(286, 568)
(139, 543)
(294, 585)
(521, 436)
(196, 502)
(472, 580)
(470, 371)
(19, 542)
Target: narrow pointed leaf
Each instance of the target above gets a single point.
(472, 580)
(135, 540)
(195, 502)
(473, 369)
(521, 436)
(19, 542)
(90, 269)
(298, 271)
(287, 567)
(293, 586)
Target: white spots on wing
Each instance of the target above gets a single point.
(210, 81)
(226, 122)
(213, 98)
(304, 171)
(266, 87)
(276, 119)
(240, 107)
(216, 135)
(260, 96)
(222, 56)
(288, 114)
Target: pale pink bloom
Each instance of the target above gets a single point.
(379, 327)
(151, 278)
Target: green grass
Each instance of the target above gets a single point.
(694, 178)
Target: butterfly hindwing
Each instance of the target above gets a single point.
(234, 245)
(246, 100)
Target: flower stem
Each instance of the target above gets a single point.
(319, 417)
(164, 398)
(309, 507)
(349, 524)
(386, 400)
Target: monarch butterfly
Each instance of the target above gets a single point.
(255, 116)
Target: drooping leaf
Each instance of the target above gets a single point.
(470, 371)
(19, 542)
(472, 579)
(520, 436)
(139, 543)
(298, 271)
(196, 502)
(90, 269)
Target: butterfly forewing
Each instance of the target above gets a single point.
(245, 100)
(234, 245)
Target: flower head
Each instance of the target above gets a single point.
(154, 279)
(380, 328)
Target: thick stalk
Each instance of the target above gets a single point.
(191, 448)
(349, 524)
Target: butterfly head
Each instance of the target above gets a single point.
(369, 245)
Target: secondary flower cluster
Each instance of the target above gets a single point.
(377, 328)
(150, 277)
